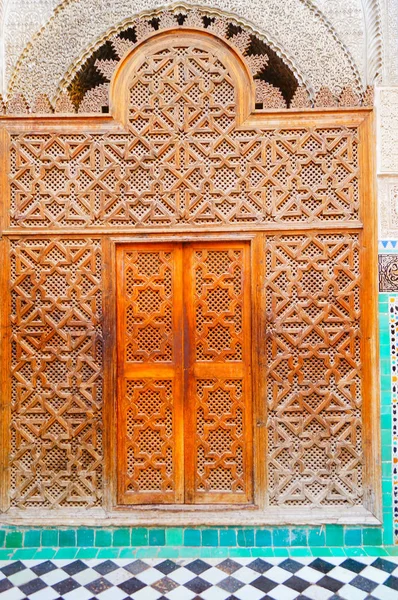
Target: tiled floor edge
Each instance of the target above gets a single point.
(191, 552)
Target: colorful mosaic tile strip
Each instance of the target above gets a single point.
(276, 537)
(393, 309)
(386, 245)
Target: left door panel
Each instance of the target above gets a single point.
(150, 421)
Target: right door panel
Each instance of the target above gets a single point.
(218, 424)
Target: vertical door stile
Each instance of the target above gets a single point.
(120, 412)
(189, 411)
(179, 389)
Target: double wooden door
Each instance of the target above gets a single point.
(184, 422)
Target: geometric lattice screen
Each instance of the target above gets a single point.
(188, 287)
(56, 436)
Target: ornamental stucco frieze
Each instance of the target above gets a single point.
(387, 191)
(387, 130)
(348, 21)
(391, 62)
(21, 20)
(295, 27)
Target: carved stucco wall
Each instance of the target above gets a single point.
(363, 26)
(387, 160)
(19, 21)
(391, 62)
(300, 30)
(348, 20)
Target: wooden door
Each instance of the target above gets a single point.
(184, 376)
(149, 351)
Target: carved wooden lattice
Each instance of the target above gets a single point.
(184, 161)
(56, 430)
(184, 157)
(156, 401)
(314, 369)
(148, 324)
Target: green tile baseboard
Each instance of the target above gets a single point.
(216, 537)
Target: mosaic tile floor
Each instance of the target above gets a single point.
(195, 579)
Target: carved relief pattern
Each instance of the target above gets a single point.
(268, 95)
(183, 161)
(302, 36)
(313, 353)
(388, 273)
(148, 293)
(220, 435)
(147, 414)
(218, 302)
(56, 431)
(388, 207)
(387, 121)
(17, 105)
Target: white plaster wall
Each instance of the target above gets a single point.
(387, 160)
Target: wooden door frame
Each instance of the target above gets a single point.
(256, 245)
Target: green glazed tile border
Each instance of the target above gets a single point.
(329, 540)
(192, 552)
(239, 537)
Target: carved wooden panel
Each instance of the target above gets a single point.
(314, 369)
(56, 429)
(218, 277)
(218, 382)
(148, 318)
(184, 160)
(150, 422)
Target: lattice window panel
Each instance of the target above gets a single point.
(147, 419)
(218, 304)
(183, 161)
(148, 317)
(314, 369)
(56, 428)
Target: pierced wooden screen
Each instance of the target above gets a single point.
(314, 369)
(56, 430)
(184, 374)
(183, 159)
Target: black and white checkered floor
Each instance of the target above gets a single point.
(195, 579)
